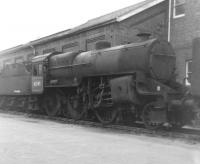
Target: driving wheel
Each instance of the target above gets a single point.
(106, 115)
(75, 108)
(51, 104)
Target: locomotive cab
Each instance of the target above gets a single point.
(38, 73)
(37, 78)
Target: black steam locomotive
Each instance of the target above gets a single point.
(134, 82)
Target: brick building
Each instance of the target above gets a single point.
(165, 19)
(119, 27)
(185, 27)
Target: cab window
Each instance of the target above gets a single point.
(37, 69)
(40, 70)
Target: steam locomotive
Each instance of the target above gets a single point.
(134, 82)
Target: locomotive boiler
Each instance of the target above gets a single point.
(134, 82)
(153, 58)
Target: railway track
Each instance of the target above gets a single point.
(191, 136)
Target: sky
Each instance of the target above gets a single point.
(22, 21)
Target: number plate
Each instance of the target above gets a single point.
(37, 84)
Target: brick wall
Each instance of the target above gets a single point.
(183, 31)
(153, 20)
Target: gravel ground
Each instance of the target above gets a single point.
(34, 141)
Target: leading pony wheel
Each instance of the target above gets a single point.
(146, 116)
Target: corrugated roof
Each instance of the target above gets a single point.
(115, 16)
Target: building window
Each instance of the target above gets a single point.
(19, 59)
(188, 72)
(179, 8)
(7, 62)
(30, 56)
(70, 47)
(1, 67)
(49, 50)
(91, 42)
